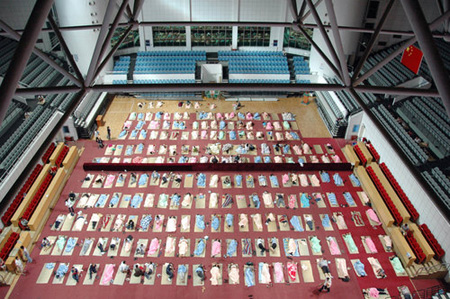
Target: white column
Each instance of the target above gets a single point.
(234, 38)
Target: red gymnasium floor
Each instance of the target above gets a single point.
(28, 288)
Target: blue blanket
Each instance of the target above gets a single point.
(349, 199)
(286, 149)
(296, 224)
(101, 201)
(337, 179)
(222, 125)
(62, 270)
(200, 248)
(114, 200)
(256, 201)
(144, 134)
(200, 221)
(238, 180)
(325, 177)
(123, 133)
(134, 133)
(267, 159)
(140, 125)
(215, 223)
(145, 222)
(136, 201)
(258, 159)
(143, 179)
(249, 277)
(326, 221)
(332, 199)
(70, 244)
(232, 246)
(355, 180)
(304, 200)
(232, 135)
(359, 268)
(229, 219)
(201, 180)
(274, 181)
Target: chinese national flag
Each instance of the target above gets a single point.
(412, 58)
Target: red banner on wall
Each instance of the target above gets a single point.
(412, 58)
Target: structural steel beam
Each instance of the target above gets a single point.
(101, 37)
(434, 61)
(23, 53)
(42, 55)
(301, 13)
(107, 43)
(113, 51)
(324, 34)
(338, 42)
(373, 40)
(66, 49)
(433, 26)
(293, 9)
(137, 7)
(306, 15)
(243, 24)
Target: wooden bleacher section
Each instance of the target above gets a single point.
(375, 198)
(350, 155)
(66, 158)
(391, 192)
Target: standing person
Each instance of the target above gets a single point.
(108, 131)
(19, 266)
(69, 204)
(26, 254)
(96, 134)
(326, 285)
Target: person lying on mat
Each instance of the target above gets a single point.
(200, 271)
(138, 270)
(323, 264)
(92, 269)
(260, 245)
(75, 274)
(59, 220)
(170, 271)
(149, 269)
(45, 243)
(124, 268)
(130, 224)
(273, 244)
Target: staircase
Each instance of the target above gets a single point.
(431, 270)
(290, 62)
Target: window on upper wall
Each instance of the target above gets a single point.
(372, 11)
(253, 36)
(211, 36)
(296, 39)
(169, 36)
(131, 41)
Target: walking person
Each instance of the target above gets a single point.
(326, 285)
(69, 204)
(108, 131)
(26, 253)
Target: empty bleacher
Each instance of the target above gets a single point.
(432, 130)
(122, 65)
(18, 142)
(412, 150)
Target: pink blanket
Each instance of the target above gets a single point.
(216, 248)
(304, 180)
(373, 216)
(154, 246)
(285, 178)
(297, 150)
(292, 201)
(336, 159)
(278, 268)
(371, 245)
(108, 275)
(219, 116)
(373, 292)
(269, 126)
(109, 180)
(334, 249)
(249, 116)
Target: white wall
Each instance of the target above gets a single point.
(429, 213)
(353, 120)
(81, 43)
(348, 13)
